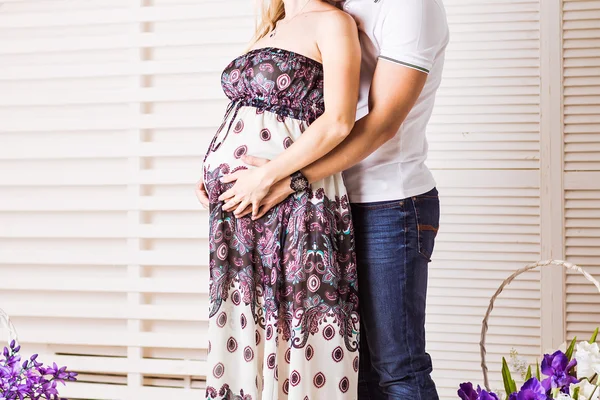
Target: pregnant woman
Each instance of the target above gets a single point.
(283, 291)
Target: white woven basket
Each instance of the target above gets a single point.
(484, 325)
(7, 329)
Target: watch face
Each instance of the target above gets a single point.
(299, 182)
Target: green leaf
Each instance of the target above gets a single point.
(594, 336)
(509, 384)
(571, 348)
(537, 371)
(528, 375)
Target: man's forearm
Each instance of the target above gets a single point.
(393, 93)
(366, 137)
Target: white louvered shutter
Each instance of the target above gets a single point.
(106, 107)
(582, 160)
(484, 149)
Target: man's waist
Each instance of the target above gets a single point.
(388, 182)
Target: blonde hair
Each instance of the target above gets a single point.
(271, 12)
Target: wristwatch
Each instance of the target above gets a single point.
(298, 182)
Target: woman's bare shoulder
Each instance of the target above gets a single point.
(332, 14)
(335, 21)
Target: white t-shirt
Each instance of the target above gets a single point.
(413, 33)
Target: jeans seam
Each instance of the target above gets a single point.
(404, 316)
(418, 224)
(364, 206)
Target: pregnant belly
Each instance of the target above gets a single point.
(254, 133)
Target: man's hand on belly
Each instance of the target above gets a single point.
(201, 193)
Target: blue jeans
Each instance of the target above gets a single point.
(394, 242)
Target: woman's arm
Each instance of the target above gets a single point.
(340, 50)
(394, 91)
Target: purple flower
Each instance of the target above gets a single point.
(466, 392)
(556, 367)
(531, 390)
(29, 380)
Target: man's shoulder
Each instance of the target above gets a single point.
(431, 9)
(425, 16)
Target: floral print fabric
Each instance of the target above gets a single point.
(283, 317)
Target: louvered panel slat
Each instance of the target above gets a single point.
(134, 91)
(484, 149)
(582, 247)
(70, 236)
(510, 56)
(582, 160)
(35, 18)
(582, 84)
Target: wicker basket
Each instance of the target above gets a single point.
(484, 325)
(7, 329)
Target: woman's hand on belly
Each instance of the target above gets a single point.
(278, 193)
(250, 188)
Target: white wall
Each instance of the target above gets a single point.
(107, 105)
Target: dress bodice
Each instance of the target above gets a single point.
(276, 80)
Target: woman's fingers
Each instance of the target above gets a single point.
(231, 204)
(227, 195)
(254, 161)
(263, 210)
(230, 177)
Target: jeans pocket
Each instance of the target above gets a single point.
(427, 212)
(379, 205)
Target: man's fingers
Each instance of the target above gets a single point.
(255, 207)
(202, 198)
(201, 193)
(254, 161)
(263, 210)
(247, 211)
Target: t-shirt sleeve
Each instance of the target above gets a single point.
(413, 33)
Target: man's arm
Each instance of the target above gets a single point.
(413, 34)
(394, 91)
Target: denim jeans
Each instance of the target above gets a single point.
(394, 242)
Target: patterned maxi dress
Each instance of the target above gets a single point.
(283, 289)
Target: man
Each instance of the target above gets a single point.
(395, 205)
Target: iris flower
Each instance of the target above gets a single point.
(556, 367)
(531, 390)
(466, 392)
